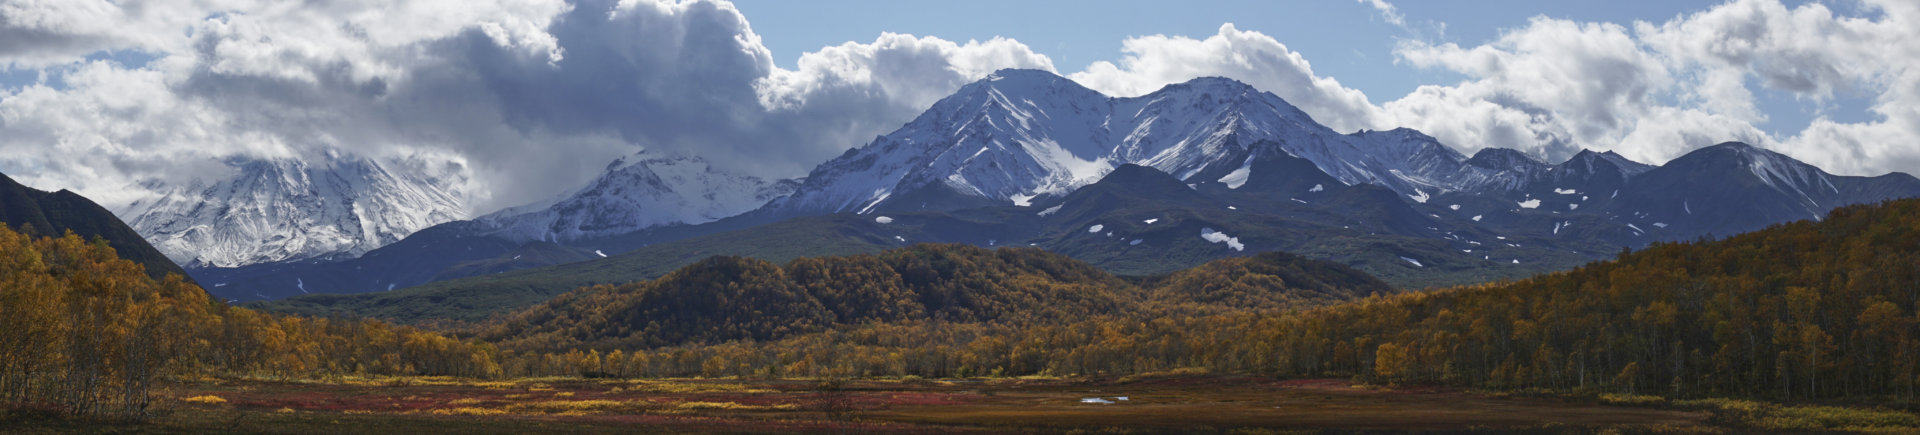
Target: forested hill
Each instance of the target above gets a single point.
(43, 213)
(1807, 309)
(733, 298)
(84, 331)
(1799, 310)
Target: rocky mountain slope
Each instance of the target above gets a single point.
(1008, 160)
(636, 193)
(291, 209)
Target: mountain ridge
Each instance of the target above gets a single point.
(725, 298)
(55, 213)
(638, 192)
(290, 210)
(1003, 151)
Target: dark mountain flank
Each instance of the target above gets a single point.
(43, 213)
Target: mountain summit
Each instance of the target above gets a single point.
(52, 214)
(290, 209)
(1017, 135)
(638, 192)
(1196, 171)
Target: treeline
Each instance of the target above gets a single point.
(1098, 345)
(723, 299)
(85, 332)
(1798, 311)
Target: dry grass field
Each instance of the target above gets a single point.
(1173, 404)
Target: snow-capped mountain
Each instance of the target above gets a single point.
(1504, 159)
(1022, 134)
(1024, 137)
(638, 192)
(1508, 176)
(1009, 159)
(289, 209)
(1735, 187)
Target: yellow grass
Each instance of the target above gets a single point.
(1631, 399)
(497, 385)
(731, 406)
(690, 387)
(470, 411)
(1783, 418)
(207, 399)
(1729, 405)
(1183, 371)
(1824, 418)
(580, 407)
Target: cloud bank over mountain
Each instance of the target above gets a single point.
(532, 97)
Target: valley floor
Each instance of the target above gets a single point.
(1176, 404)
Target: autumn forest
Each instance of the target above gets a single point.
(1805, 311)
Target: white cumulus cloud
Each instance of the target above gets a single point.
(1654, 91)
(1152, 62)
(534, 96)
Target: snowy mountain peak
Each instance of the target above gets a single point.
(1504, 159)
(287, 209)
(1227, 95)
(637, 192)
(1406, 142)
(1014, 89)
(1812, 190)
(1777, 169)
(1216, 88)
(1770, 167)
(1410, 134)
(1021, 134)
(1589, 161)
(1022, 78)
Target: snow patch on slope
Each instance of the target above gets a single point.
(1212, 236)
(1238, 177)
